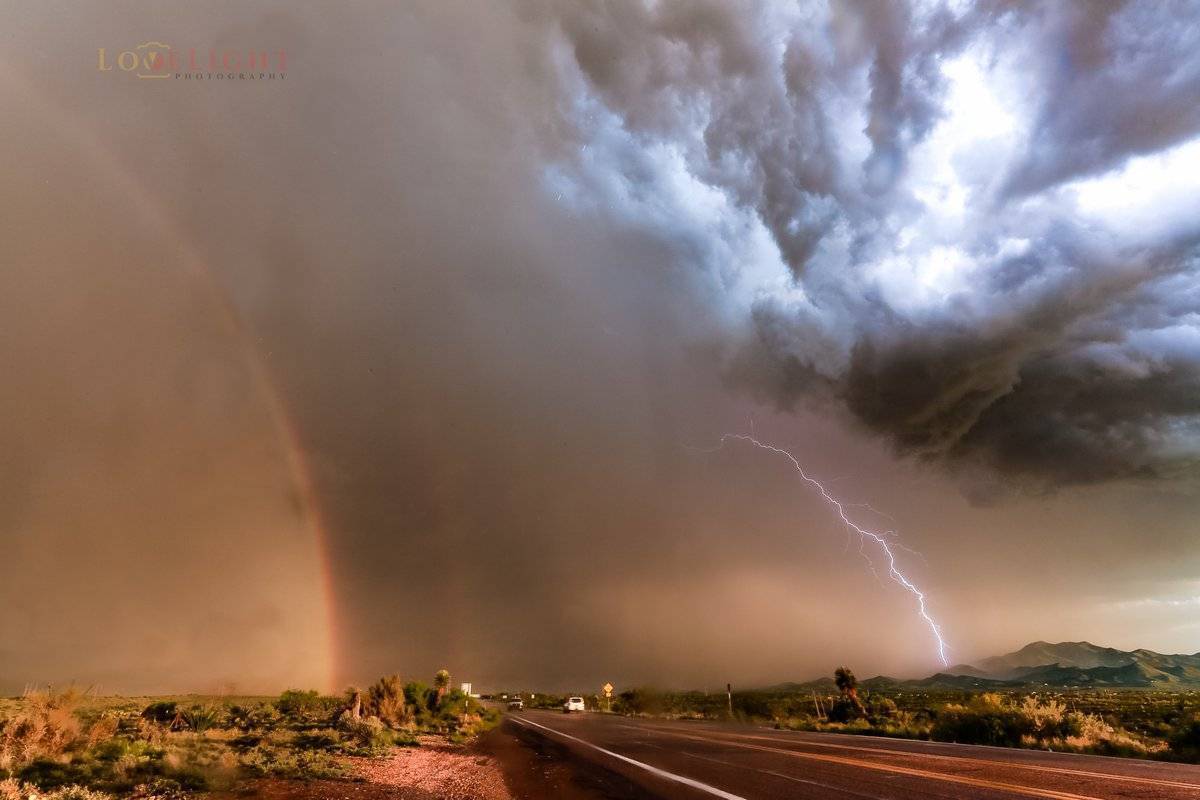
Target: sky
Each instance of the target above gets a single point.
(421, 354)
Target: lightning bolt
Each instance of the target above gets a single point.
(864, 534)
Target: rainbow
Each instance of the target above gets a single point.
(151, 212)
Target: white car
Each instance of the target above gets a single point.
(573, 704)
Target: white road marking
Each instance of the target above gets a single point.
(662, 773)
(792, 778)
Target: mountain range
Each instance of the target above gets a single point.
(1060, 665)
(1076, 664)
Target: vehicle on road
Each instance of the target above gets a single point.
(516, 704)
(573, 704)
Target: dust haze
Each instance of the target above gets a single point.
(496, 277)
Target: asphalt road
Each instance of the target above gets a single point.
(705, 760)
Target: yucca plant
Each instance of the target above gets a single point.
(200, 718)
(441, 683)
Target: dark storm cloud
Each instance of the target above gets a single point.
(1055, 361)
(745, 89)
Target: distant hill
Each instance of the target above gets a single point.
(819, 684)
(966, 669)
(1040, 654)
(1080, 664)
(945, 680)
(1062, 665)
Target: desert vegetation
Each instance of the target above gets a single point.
(1131, 722)
(66, 745)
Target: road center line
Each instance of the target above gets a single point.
(773, 773)
(1030, 791)
(662, 773)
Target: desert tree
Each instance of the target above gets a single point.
(441, 683)
(847, 684)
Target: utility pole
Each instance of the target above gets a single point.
(729, 698)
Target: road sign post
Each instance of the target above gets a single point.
(608, 690)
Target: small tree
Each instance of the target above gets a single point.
(385, 699)
(846, 682)
(441, 682)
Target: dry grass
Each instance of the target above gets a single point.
(62, 745)
(44, 727)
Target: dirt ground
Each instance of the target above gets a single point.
(501, 765)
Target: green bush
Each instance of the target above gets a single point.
(163, 712)
(1185, 740)
(320, 739)
(387, 700)
(986, 719)
(881, 709)
(844, 709)
(265, 759)
(256, 717)
(308, 706)
(420, 696)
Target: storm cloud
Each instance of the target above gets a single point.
(988, 213)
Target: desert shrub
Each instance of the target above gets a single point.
(308, 706)
(74, 793)
(266, 759)
(12, 790)
(114, 749)
(460, 717)
(845, 709)
(881, 710)
(241, 717)
(103, 729)
(1185, 740)
(197, 763)
(1049, 719)
(44, 727)
(53, 772)
(986, 719)
(200, 718)
(163, 712)
(419, 696)
(1091, 734)
(255, 717)
(366, 735)
(320, 739)
(151, 732)
(159, 789)
(387, 700)
(991, 719)
(296, 703)
(639, 701)
(473, 722)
